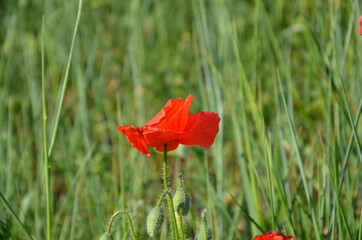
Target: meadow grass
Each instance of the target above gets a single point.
(284, 76)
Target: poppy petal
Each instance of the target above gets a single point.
(135, 136)
(171, 145)
(174, 115)
(155, 136)
(201, 129)
(273, 235)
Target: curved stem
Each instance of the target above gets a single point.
(169, 198)
(116, 214)
(161, 198)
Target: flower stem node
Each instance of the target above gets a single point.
(154, 221)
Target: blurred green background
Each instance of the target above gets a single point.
(300, 174)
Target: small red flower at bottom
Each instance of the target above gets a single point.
(173, 125)
(273, 235)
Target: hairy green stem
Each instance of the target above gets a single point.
(173, 218)
(169, 198)
(205, 229)
(182, 228)
(161, 198)
(164, 168)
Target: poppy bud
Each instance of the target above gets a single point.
(106, 236)
(204, 231)
(154, 221)
(181, 198)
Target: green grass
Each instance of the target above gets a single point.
(284, 76)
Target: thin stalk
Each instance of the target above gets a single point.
(205, 232)
(204, 224)
(360, 227)
(65, 80)
(22, 226)
(173, 217)
(354, 130)
(269, 168)
(174, 230)
(164, 167)
(116, 214)
(161, 198)
(349, 148)
(180, 184)
(45, 140)
(182, 228)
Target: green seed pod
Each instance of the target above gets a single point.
(154, 221)
(188, 231)
(106, 236)
(181, 198)
(204, 231)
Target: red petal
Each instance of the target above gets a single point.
(155, 136)
(134, 135)
(171, 145)
(174, 115)
(201, 129)
(273, 235)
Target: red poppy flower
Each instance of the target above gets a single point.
(273, 235)
(174, 125)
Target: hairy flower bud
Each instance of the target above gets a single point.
(204, 231)
(181, 201)
(201, 235)
(181, 198)
(154, 221)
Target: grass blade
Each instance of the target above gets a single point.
(300, 162)
(65, 80)
(45, 141)
(22, 226)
